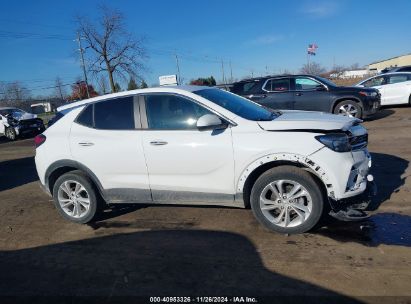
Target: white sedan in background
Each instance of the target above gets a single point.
(395, 88)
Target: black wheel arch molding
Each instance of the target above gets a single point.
(56, 169)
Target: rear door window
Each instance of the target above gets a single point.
(246, 88)
(114, 114)
(277, 85)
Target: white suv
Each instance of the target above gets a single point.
(200, 145)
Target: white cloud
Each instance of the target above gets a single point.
(320, 9)
(266, 40)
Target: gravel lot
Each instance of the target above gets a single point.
(168, 250)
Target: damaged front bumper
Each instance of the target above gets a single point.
(354, 208)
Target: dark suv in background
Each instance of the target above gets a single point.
(406, 68)
(309, 93)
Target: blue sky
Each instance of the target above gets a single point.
(256, 36)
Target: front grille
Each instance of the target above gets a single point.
(29, 122)
(359, 142)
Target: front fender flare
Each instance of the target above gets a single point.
(304, 161)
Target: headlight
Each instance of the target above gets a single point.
(365, 93)
(335, 141)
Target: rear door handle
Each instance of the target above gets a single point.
(86, 144)
(158, 143)
(298, 94)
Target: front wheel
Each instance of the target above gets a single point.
(348, 108)
(287, 199)
(10, 133)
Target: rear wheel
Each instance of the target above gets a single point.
(10, 133)
(348, 108)
(76, 198)
(287, 199)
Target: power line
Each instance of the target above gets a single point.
(41, 88)
(30, 35)
(25, 22)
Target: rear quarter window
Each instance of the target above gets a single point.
(86, 117)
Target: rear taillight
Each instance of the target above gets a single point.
(39, 140)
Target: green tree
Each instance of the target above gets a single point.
(144, 84)
(132, 85)
(117, 87)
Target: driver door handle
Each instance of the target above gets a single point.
(298, 94)
(86, 144)
(158, 143)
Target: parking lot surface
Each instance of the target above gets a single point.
(169, 250)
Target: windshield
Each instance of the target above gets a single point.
(238, 105)
(13, 112)
(327, 81)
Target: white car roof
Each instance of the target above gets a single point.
(164, 89)
(393, 73)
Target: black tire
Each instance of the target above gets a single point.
(10, 133)
(348, 103)
(92, 192)
(304, 179)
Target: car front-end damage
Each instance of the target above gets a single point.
(342, 163)
(353, 185)
(22, 125)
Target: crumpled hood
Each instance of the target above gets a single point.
(24, 116)
(307, 120)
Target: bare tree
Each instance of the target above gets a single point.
(14, 94)
(60, 90)
(355, 66)
(102, 84)
(14, 91)
(313, 68)
(338, 70)
(114, 50)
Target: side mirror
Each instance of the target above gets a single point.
(210, 122)
(360, 85)
(321, 88)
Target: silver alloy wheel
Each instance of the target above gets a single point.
(10, 134)
(348, 110)
(73, 199)
(286, 203)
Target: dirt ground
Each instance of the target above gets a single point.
(195, 251)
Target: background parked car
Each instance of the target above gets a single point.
(395, 88)
(15, 122)
(406, 68)
(310, 93)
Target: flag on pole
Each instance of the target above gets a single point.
(312, 49)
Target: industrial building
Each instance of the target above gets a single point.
(398, 61)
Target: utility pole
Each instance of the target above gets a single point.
(231, 73)
(82, 63)
(178, 70)
(222, 70)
